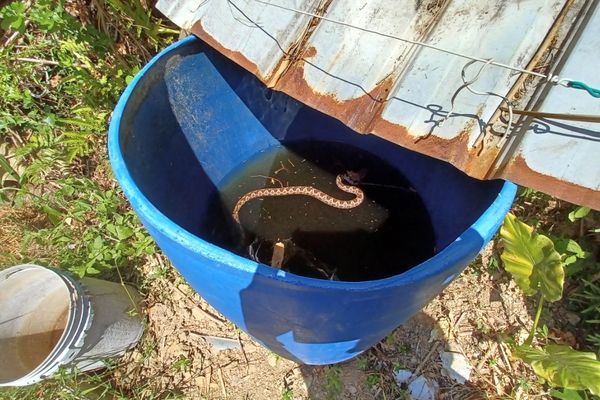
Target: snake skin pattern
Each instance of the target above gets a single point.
(305, 191)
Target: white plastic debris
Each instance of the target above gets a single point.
(402, 376)
(221, 343)
(456, 366)
(423, 389)
(420, 388)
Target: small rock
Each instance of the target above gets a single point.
(352, 390)
(456, 366)
(423, 389)
(420, 388)
(402, 376)
(436, 334)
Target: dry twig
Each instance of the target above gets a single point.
(222, 382)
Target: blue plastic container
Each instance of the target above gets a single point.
(190, 117)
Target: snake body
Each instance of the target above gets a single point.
(304, 191)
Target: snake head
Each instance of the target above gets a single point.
(353, 177)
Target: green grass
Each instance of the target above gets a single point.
(333, 382)
(62, 69)
(61, 77)
(287, 394)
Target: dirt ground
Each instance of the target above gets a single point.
(474, 316)
(14, 223)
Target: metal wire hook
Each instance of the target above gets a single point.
(467, 85)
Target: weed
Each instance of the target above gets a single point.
(594, 339)
(404, 348)
(578, 213)
(333, 382)
(397, 366)
(494, 264)
(590, 297)
(362, 363)
(404, 394)
(537, 268)
(92, 228)
(288, 394)
(542, 333)
(373, 380)
(159, 272)
(68, 385)
(182, 363)
(524, 384)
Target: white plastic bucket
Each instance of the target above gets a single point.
(48, 320)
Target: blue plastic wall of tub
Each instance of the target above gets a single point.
(190, 117)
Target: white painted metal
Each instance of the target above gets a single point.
(508, 32)
(566, 150)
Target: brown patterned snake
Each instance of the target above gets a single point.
(306, 191)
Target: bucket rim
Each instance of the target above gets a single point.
(79, 319)
(485, 226)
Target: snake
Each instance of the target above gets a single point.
(306, 191)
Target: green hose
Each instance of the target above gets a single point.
(580, 85)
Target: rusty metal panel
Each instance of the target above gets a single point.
(253, 34)
(378, 85)
(563, 157)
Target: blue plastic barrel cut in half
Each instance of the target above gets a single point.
(192, 116)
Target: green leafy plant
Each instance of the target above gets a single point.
(92, 228)
(532, 260)
(591, 298)
(333, 382)
(182, 363)
(362, 363)
(562, 366)
(287, 394)
(578, 213)
(538, 270)
(373, 380)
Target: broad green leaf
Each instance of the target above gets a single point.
(124, 232)
(575, 248)
(91, 271)
(566, 394)
(578, 213)
(570, 260)
(4, 164)
(564, 367)
(79, 270)
(54, 215)
(531, 259)
(98, 244)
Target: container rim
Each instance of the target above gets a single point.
(485, 225)
(69, 344)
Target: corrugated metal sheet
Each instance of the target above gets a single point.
(387, 87)
(563, 157)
